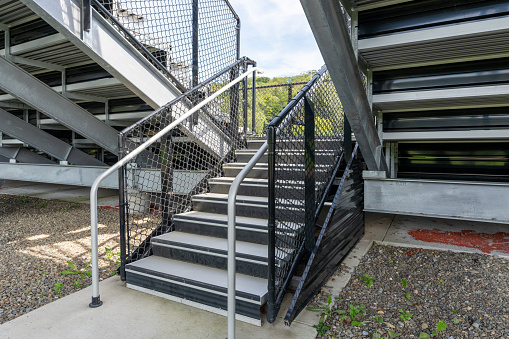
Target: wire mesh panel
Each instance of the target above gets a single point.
(160, 181)
(191, 40)
(305, 143)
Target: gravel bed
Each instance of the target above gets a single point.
(468, 292)
(37, 239)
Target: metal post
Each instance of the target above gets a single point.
(290, 96)
(122, 206)
(195, 53)
(309, 176)
(87, 14)
(244, 102)
(271, 275)
(253, 104)
(347, 135)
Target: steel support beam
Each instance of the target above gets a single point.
(479, 201)
(21, 154)
(57, 174)
(44, 141)
(331, 34)
(43, 98)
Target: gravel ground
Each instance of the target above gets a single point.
(468, 292)
(37, 239)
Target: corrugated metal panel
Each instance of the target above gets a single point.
(442, 51)
(14, 11)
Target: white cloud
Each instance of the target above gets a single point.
(277, 35)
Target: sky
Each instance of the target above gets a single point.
(276, 34)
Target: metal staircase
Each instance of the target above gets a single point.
(189, 264)
(177, 229)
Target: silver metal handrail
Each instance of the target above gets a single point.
(232, 197)
(96, 299)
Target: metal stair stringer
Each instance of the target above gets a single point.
(329, 28)
(108, 48)
(40, 96)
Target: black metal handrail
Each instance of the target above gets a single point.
(304, 147)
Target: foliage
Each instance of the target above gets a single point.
(80, 273)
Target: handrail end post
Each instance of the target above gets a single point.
(96, 302)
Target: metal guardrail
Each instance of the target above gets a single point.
(308, 134)
(96, 300)
(177, 36)
(316, 88)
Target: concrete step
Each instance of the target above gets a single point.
(212, 252)
(196, 285)
(253, 207)
(216, 225)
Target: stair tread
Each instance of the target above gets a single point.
(221, 218)
(245, 181)
(218, 245)
(199, 275)
(252, 181)
(253, 151)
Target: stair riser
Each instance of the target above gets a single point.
(263, 173)
(297, 144)
(218, 231)
(257, 191)
(209, 260)
(244, 308)
(290, 159)
(250, 211)
(254, 173)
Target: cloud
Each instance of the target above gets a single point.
(277, 35)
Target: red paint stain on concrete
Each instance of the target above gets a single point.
(109, 207)
(485, 242)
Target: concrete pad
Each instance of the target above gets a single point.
(131, 314)
(449, 234)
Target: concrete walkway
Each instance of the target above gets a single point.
(130, 314)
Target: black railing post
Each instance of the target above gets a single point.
(195, 53)
(122, 209)
(167, 195)
(290, 96)
(244, 101)
(347, 137)
(86, 14)
(309, 176)
(253, 104)
(271, 288)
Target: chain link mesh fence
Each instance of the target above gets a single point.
(160, 181)
(190, 40)
(308, 139)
